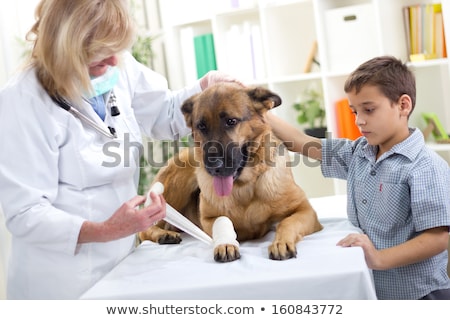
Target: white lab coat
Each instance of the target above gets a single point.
(56, 172)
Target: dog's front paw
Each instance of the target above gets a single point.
(161, 236)
(170, 238)
(226, 253)
(282, 251)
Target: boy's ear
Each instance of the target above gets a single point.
(405, 103)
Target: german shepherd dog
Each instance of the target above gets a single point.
(238, 169)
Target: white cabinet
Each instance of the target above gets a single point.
(347, 32)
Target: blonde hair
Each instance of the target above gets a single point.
(68, 35)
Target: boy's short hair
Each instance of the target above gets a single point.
(389, 74)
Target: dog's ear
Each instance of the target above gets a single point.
(187, 107)
(268, 98)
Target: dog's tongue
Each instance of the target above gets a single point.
(223, 185)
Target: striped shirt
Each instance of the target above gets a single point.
(393, 199)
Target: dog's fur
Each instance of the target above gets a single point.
(233, 139)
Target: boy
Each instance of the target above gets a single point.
(398, 190)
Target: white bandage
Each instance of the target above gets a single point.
(177, 219)
(157, 188)
(223, 232)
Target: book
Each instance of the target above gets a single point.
(424, 31)
(188, 54)
(440, 45)
(406, 15)
(244, 52)
(345, 119)
(205, 57)
(259, 68)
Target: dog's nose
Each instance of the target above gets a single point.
(215, 165)
(214, 154)
(221, 159)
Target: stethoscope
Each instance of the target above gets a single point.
(112, 104)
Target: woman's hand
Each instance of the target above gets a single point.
(127, 220)
(214, 76)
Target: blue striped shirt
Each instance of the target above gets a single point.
(393, 199)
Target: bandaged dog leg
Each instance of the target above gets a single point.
(223, 232)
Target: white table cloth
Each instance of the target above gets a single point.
(188, 271)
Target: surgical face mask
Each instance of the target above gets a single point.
(105, 82)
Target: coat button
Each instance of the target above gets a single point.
(373, 172)
(364, 201)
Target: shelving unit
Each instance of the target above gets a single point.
(288, 29)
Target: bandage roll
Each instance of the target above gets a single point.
(223, 232)
(157, 188)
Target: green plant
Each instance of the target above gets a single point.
(142, 50)
(310, 108)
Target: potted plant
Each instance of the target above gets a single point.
(312, 113)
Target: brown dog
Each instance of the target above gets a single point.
(237, 169)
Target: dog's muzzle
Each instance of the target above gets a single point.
(225, 163)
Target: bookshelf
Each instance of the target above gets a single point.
(346, 32)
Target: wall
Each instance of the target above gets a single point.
(16, 18)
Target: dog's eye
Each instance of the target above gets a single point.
(232, 122)
(201, 126)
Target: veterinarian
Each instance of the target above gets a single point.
(72, 215)
(398, 190)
